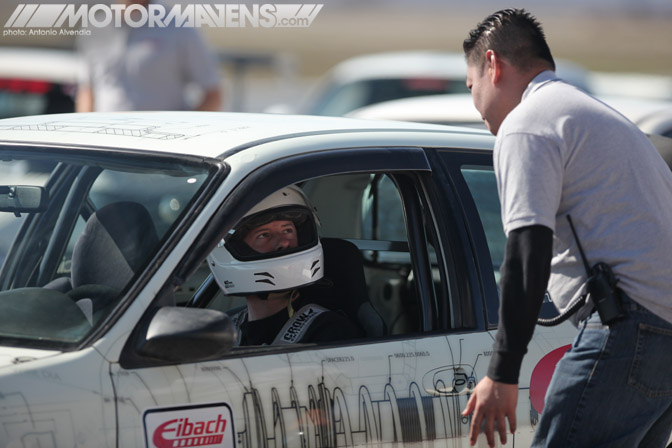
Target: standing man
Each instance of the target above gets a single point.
(146, 68)
(559, 153)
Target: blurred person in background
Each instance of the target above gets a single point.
(147, 68)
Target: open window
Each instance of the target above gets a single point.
(384, 216)
(380, 250)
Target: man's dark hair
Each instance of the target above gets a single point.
(513, 34)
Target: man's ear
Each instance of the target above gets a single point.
(494, 64)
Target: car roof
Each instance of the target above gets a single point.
(459, 108)
(429, 63)
(401, 64)
(641, 111)
(39, 64)
(636, 109)
(210, 134)
(443, 108)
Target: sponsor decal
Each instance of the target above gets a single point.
(207, 425)
(300, 323)
(541, 377)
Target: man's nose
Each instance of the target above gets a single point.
(282, 242)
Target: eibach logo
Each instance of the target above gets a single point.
(184, 433)
(206, 425)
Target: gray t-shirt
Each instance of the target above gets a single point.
(146, 68)
(563, 152)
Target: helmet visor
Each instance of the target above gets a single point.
(273, 233)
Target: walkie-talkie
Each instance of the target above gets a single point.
(601, 286)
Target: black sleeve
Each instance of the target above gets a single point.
(523, 283)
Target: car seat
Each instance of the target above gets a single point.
(114, 245)
(347, 288)
(112, 248)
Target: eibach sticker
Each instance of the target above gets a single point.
(206, 425)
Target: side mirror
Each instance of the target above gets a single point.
(23, 198)
(184, 335)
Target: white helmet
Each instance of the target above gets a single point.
(239, 270)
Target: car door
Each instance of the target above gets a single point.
(472, 175)
(423, 269)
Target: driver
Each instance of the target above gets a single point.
(268, 257)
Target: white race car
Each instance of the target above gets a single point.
(113, 332)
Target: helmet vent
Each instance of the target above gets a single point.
(265, 280)
(314, 268)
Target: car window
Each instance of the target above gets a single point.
(382, 216)
(160, 193)
(76, 231)
(15, 172)
(367, 209)
(483, 187)
(366, 213)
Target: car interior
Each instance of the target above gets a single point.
(374, 230)
(76, 234)
(368, 266)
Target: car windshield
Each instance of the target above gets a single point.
(77, 228)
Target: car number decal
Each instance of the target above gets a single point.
(207, 425)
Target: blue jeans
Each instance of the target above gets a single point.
(613, 388)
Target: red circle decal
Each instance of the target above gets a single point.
(541, 377)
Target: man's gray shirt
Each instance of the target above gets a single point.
(561, 152)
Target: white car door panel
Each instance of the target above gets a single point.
(363, 395)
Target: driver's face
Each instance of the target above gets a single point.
(276, 235)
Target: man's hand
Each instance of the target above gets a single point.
(492, 402)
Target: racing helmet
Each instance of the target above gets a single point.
(241, 270)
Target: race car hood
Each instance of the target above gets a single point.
(12, 355)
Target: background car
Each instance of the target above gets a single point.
(113, 331)
(378, 77)
(653, 117)
(37, 81)
(451, 110)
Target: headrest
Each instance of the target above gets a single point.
(115, 244)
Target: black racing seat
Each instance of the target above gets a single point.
(347, 288)
(113, 247)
